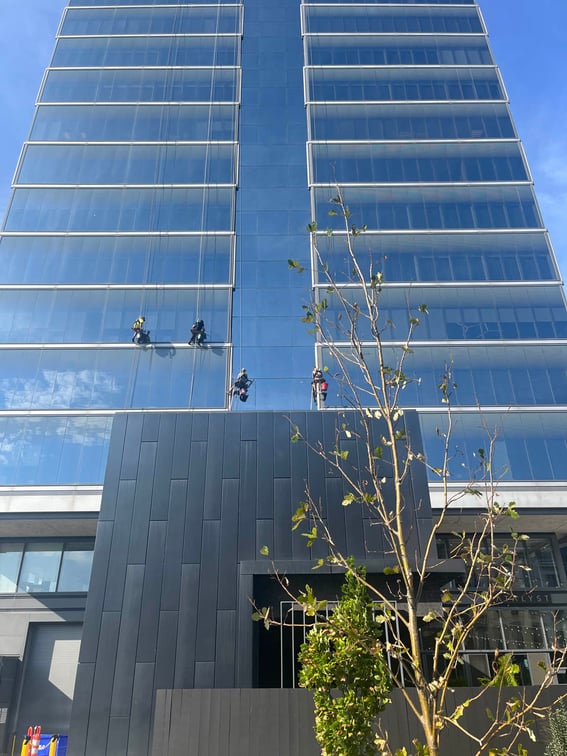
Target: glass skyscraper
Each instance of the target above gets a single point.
(177, 153)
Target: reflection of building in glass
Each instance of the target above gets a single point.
(177, 152)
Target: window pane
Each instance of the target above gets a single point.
(40, 568)
(76, 569)
(10, 559)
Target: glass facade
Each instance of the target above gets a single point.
(178, 151)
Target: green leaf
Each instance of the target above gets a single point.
(265, 551)
(348, 499)
(430, 616)
(395, 570)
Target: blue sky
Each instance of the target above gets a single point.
(527, 39)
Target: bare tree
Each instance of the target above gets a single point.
(371, 369)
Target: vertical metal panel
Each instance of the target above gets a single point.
(102, 684)
(228, 573)
(81, 706)
(187, 631)
(150, 427)
(118, 558)
(231, 456)
(247, 501)
(194, 513)
(200, 431)
(151, 596)
(164, 461)
(225, 649)
(204, 674)
(165, 653)
(182, 445)
(142, 505)
(95, 600)
(282, 523)
(282, 452)
(208, 586)
(265, 492)
(118, 731)
(142, 710)
(213, 477)
(125, 652)
(244, 657)
(132, 442)
(113, 467)
(174, 545)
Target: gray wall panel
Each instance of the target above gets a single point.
(142, 505)
(132, 438)
(151, 596)
(225, 649)
(264, 500)
(208, 587)
(231, 457)
(247, 501)
(177, 556)
(180, 461)
(119, 552)
(81, 706)
(113, 466)
(174, 545)
(97, 587)
(213, 481)
(125, 653)
(164, 462)
(142, 709)
(165, 654)
(187, 631)
(194, 521)
(150, 427)
(102, 684)
(228, 575)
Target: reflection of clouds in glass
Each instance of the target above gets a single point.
(30, 444)
(60, 389)
(88, 431)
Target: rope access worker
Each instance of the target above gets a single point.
(198, 334)
(241, 385)
(138, 328)
(319, 385)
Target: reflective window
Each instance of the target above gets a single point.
(456, 313)
(53, 450)
(411, 163)
(159, 209)
(141, 85)
(223, 19)
(159, 376)
(40, 568)
(436, 207)
(528, 446)
(484, 375)
(394, 51)
(390, 84)
(143, 123)
(78, 3)
(346, 121)
(76, 564)
(10, 560)
(45, 567)
(328, 2)
(91, 316)
(128, 164)
(146, 51)
(163, 259)
(436, 257)
(369, 19)
(535, 559)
